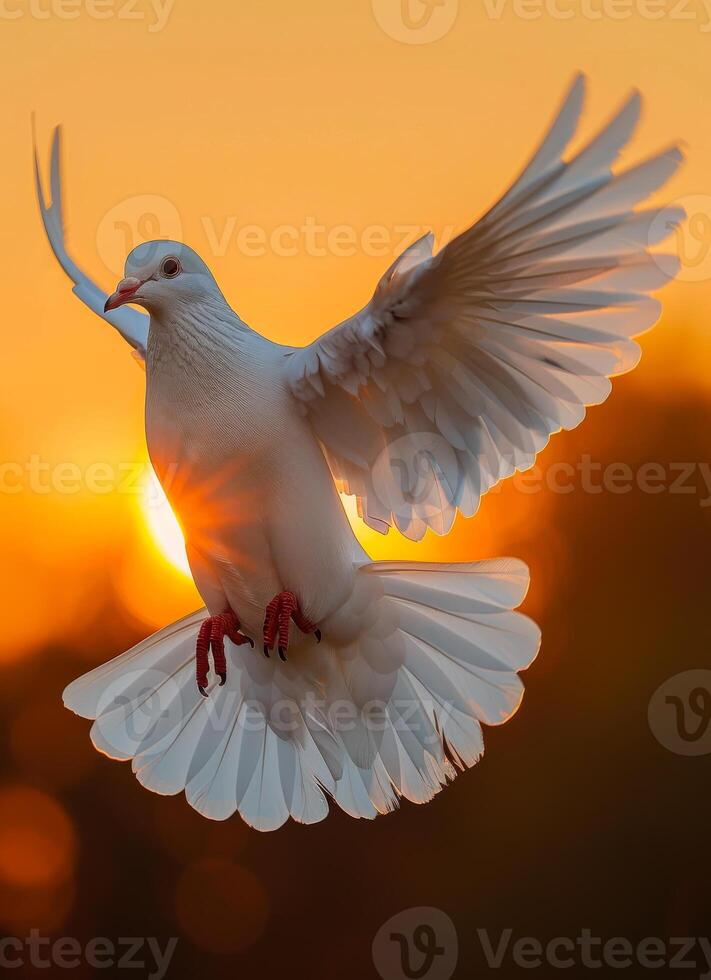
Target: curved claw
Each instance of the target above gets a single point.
(250, 641)
(266, 650)
(211, 637)
(283, 608)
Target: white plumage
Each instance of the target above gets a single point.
(454, 375)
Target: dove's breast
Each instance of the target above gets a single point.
(248, 483)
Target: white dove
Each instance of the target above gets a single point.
(338, 676)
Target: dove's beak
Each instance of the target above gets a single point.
(125, 293)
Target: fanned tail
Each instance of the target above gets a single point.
(388, 706)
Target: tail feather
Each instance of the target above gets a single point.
(393, 712)
(173, 645)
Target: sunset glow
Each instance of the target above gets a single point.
(298, 149)
(163, 525)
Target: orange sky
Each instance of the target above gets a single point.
(316, 116)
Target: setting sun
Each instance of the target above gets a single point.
(163, 524)
(241, 197)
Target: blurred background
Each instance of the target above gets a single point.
(298, 148)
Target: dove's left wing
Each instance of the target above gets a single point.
(464, 363)
(132, 325)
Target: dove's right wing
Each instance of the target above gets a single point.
(465, 362)
(132, 325)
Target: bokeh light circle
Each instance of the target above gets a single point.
(48, 743)
(37, 839)
(221, 907)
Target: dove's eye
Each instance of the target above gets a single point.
(170, 268)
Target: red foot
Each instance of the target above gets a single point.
(280, 610)
(212, 636)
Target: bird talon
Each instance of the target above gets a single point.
(279, 613)
(211, 638)
(266, 650)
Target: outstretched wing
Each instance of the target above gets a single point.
(464, 363)
(132, 325)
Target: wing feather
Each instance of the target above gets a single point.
(465, 362)
(130, 323)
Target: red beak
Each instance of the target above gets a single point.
(125, 291)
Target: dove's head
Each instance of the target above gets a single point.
(161, 275)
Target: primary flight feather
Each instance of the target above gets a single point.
(334, 675)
